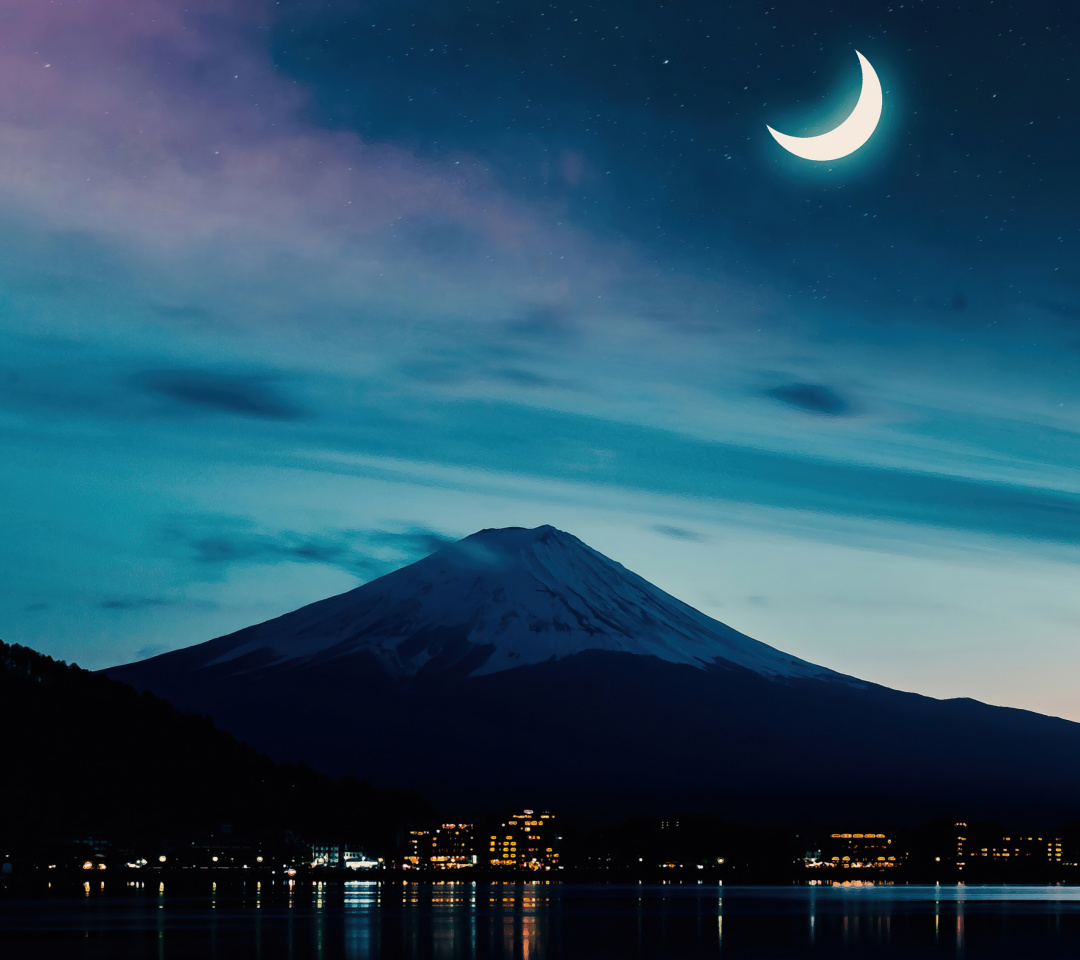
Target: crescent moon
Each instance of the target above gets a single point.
(851, 134)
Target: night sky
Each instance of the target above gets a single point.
(291, 293)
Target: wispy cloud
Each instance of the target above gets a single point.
(244, 395)
(216, 543)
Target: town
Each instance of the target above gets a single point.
(531, 843)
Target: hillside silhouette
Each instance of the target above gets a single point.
(84, 755)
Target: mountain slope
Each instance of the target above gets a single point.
(523, 667)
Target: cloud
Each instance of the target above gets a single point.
(475, 364)
(169, 130)
(679, 533)
(436, 372)
(236, 547)
(135, 603)
(415, 542)
(220, 542)
(501, 437)
(542, 324)
(144, 653)
(812, 397)
(523, 378)
(246, 396)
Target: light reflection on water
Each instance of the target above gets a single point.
(358, 920)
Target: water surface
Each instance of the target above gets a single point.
(522, 921)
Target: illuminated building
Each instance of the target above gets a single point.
(527, 840)
(1011, 849)
(421, 847)
(450, 847)
(857, 851)
(326, 855)
(94, 850)
(454, 846)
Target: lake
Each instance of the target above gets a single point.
(118, 919)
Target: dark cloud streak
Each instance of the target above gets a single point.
(678, 533)
(812, 397)
(225, 393)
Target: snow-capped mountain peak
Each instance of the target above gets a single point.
(501, 599)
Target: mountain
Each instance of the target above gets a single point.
(85, 755)
(521, 666)
(497, 600)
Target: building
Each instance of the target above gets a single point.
(93, 851)
(326, 855)
(526, 841)
(421, 847)
(450, 847)
(848, 851)
(1011, 849)
(454, 847)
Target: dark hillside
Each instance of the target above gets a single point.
(83, 754)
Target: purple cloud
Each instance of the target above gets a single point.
(164, 122)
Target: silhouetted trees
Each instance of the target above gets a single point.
(81, 754)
